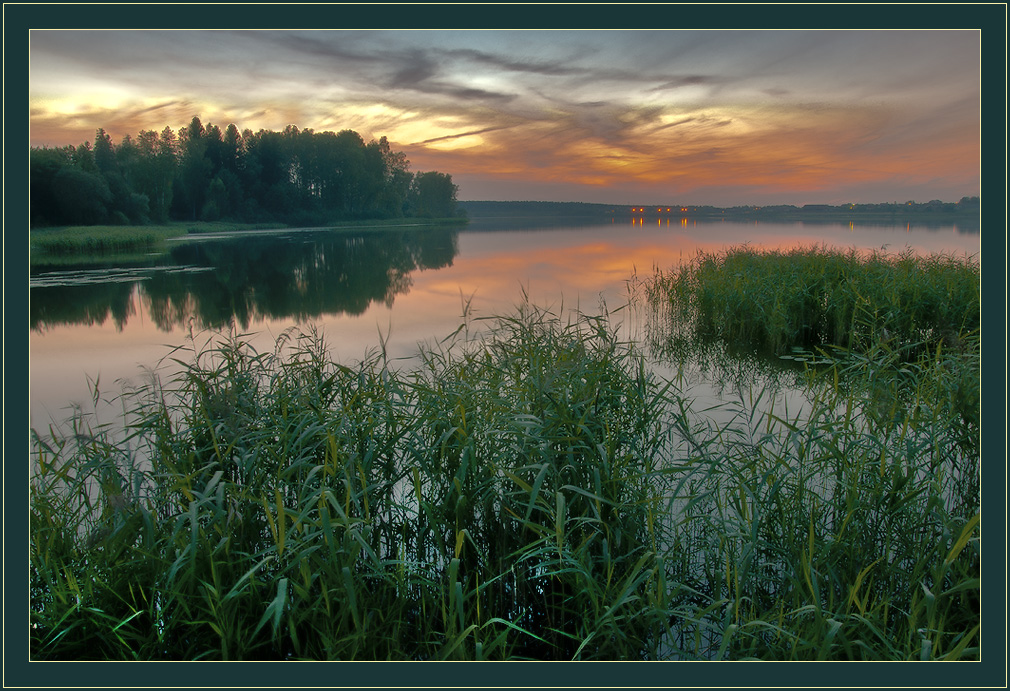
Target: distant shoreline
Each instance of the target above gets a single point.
(964, 211)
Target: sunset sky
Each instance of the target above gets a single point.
(624, 117)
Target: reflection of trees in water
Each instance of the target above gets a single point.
(90, 305)
(252, 278)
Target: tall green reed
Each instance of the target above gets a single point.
(850, 530)
(778, 299)
(490, 503)
(525, 490)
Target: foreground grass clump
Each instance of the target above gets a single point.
(529, 493)
(494, 502)
(848, 531)
(772, 301)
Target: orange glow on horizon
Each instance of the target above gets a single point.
(767, 155)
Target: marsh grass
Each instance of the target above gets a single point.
(99, 240)
(80, 244)
(774, 301)
(850, 530)
(68, 245)
(841, 533)
(525, 490)
(494, 502)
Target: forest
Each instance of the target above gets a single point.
(201, 173)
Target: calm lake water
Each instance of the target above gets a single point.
(405, 285)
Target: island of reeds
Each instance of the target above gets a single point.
(529, 489)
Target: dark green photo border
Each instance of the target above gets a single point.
(20, 18)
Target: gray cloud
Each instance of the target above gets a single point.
(540, 96)
(689, 80)
(412, 70)
(458, 136)
(529, 66)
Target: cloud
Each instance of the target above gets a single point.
(678, 111)
(457, 136)
(412, 69)
(688, 80)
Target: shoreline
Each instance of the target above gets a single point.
(82, 244)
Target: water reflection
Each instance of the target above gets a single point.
(246, 279)
(112, 322)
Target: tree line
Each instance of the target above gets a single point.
(967, 207)
(201, 173)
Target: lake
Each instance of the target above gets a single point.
(109, 324)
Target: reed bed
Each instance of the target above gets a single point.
(849, 530)
(523, 491)
(99, 240)
(492, 503)
(773, 301)
(68, 244)
(845, 532)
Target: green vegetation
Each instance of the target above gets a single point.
(80, 244)
(849, 530)
(772, 301)
(526, 490)
(493, 502)
(240, 278)
(99, 240)
(95, 244)
(296, 177)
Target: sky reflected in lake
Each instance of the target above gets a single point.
(397, 287)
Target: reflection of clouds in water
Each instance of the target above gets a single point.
(562, 268)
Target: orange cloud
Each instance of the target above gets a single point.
(565, 116)
(781, 149)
